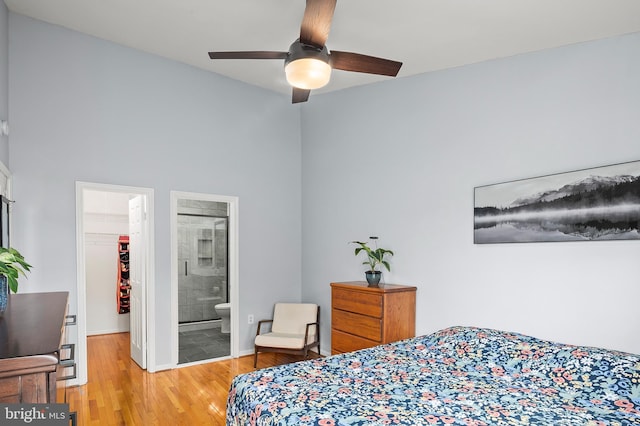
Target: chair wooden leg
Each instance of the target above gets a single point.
(255, 358)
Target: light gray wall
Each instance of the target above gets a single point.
(83, 109)
(400, 160)
(4, 79)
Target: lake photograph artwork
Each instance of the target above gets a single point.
(601, 203)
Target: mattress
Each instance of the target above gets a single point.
(456, 376)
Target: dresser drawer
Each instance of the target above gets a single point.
(10, 389)
(343, 342)
(356, 324)
(358, 302)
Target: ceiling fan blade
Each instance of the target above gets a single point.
(248, 55)
(300, 95)
(356, 62)
(316, 22)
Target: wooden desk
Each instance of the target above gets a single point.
(31, 333)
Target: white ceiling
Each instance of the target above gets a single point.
(425, 35)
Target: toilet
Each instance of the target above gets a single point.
(224, 310)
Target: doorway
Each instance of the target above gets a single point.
(204, 276)
(104, 213)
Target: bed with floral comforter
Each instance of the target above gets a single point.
(457, 376)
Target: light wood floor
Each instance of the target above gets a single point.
(118, 392)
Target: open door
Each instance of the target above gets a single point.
(137, 277)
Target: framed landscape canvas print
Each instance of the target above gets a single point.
(592, 204)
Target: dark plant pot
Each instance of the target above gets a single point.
(373, 278)
(4, 294)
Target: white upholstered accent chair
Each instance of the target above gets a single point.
(295, 328)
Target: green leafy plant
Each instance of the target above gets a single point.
(12, 264)
(375, 256)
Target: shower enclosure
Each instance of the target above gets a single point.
(202, 278)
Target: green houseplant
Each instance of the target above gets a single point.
(12, 264)
(375, 257)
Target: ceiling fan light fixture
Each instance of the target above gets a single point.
(308, 73)
(307, 67)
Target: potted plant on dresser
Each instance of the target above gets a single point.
(375, 257)
(12, 264)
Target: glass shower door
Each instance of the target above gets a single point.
(202, 261)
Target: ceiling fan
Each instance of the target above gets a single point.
(308, 63)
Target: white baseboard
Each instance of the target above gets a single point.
(163, 368)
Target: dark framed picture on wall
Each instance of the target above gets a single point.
(4, 222)
(601, 203)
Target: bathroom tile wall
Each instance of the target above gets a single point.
(197, 296)
(205, 208)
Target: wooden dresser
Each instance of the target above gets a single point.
(363, 316)
(31, 347)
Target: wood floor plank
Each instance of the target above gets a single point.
(119, 392)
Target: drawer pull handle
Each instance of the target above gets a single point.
(70, 320)
(70, 364)
(72, 354)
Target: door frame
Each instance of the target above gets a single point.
(81, 283)
(233, 272)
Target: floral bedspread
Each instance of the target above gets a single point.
(457, 376)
